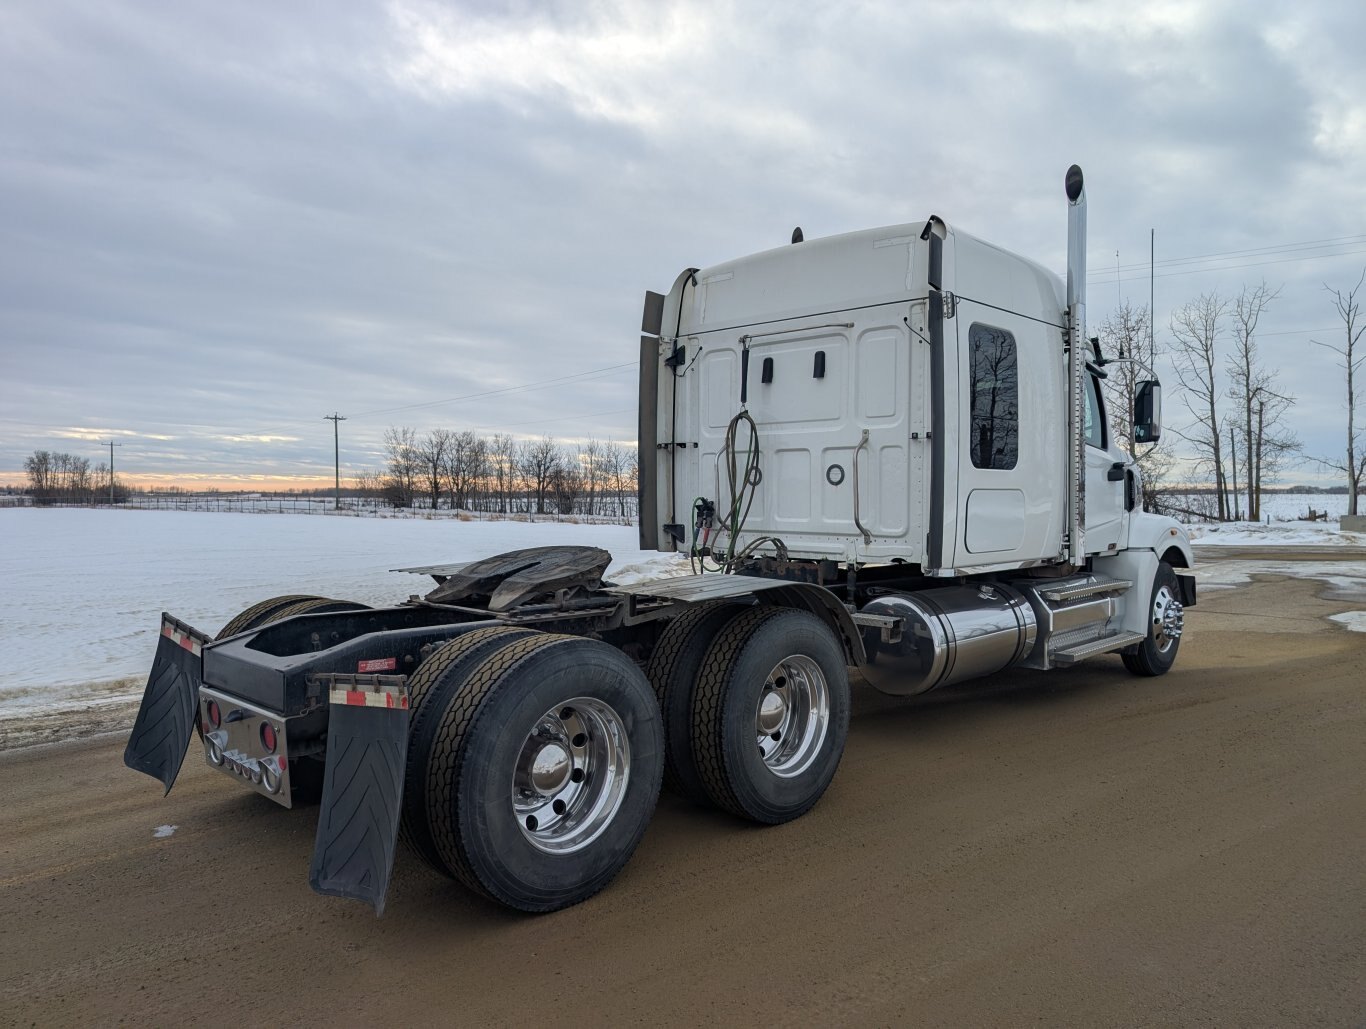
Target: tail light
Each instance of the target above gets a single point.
(268, 740)
(215, 716)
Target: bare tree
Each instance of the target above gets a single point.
(400, 481)
(1196, 328)
(614, 473)
(590, 464)
(432, 454)
(1125, 334)
(502, 454)
(1352, 354)
(540, 459)
(38, 468)
(566, 483)
(369, 484)
(467, 467)
(1260, 435)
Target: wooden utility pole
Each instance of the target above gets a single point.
(111, 445)
(336, 457)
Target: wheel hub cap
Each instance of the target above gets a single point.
(1169, 618)
(550, 768)
(792, 716)
(570, 775)
(772, 712)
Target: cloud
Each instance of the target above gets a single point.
(224, 222)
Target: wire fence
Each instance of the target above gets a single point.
(604, 510)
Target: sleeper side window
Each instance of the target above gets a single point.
(994, 397)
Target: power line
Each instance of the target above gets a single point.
(1234, 267)
(1273, 248)
(539, 384)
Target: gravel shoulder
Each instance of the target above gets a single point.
(1078, 847)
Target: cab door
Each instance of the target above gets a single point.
(1105, 508)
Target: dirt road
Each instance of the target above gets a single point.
(1079, 847)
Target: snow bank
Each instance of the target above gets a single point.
(1276, 534)
(83, 589)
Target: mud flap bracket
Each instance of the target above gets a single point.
(367, 745)
(161, 733)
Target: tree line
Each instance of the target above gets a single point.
(54, 476)
(465, 471)
(1237, 430)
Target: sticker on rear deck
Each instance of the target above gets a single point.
(378, 664)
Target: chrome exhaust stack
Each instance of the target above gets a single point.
(1076, 364)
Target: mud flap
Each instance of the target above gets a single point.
(367, 745)
(161, 733)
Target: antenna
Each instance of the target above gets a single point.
(334, 418)
(1152, 292)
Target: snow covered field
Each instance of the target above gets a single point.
(83, 589)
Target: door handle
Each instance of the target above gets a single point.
(1116, 472)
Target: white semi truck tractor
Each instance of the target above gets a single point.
(885, 453)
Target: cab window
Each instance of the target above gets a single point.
(994, 397)
(1094, 424)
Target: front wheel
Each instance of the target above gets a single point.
(1166, 621)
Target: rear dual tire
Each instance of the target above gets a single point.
(535, 762)
(770, 714)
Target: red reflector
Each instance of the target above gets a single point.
(268, 737)
(215, 716)
(378, 664)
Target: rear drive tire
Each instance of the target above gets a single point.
(674, 667)
(770, 714)
(306, 773)
(429, 690)
(544, 771)
(1166, 620)
(259, 614)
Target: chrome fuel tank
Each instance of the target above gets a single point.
(949, 634)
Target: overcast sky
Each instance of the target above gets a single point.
(220, 222)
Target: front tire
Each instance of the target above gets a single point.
(544, 771)
(1166, 621)
(770, 714)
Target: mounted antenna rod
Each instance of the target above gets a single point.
(1076, 363)
(1152, 293)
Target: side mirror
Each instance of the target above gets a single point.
(1148, 412)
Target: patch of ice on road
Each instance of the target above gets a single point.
(162, 831)
(1346, 578)
(1354, 620)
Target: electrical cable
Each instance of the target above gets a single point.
(742, 485)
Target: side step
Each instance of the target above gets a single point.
(1091, 586)
(1104, 645)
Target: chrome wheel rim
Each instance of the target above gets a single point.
(792, 716)
(570, 776)
(1169, 619)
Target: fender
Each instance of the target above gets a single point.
(1164, 536)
